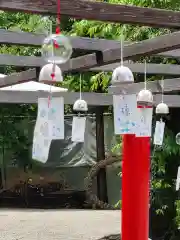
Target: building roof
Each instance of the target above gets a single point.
(33, 86)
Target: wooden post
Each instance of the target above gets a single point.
(100, 150)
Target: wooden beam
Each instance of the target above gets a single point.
(93, 99)
(83, 63)
(170, 85)
(144, 48)
(171, 100)
(131, 51)
(87, 44)
(15, 78)
(162, 69)
(75, 64)
(34, 39)
(170, 54)
(98, 11)
(69, 98)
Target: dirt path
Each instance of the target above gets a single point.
(57, 224)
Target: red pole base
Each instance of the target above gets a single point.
(135, 187)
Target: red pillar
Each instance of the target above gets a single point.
(135, 187)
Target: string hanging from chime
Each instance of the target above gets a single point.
(55, 45)
(58, 31)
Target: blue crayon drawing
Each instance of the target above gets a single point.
(43, 113)
(51, 114)
(56, 131)
(125, 110)
(126, 125)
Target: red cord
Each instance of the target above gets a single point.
(58, 31)
(49, 100)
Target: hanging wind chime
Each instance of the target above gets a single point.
(79, 122)
(145, 109)
(145, 97)
(122, 74)
(56, 49)
(162, 109)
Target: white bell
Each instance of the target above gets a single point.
(162, 108)
(145, 97)
(122, 74)
(80, 106)
(50, 73)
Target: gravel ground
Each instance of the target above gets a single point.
(57, 224)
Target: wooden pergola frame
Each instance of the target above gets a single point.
(96, 61)
(101, 11)
(100, 55)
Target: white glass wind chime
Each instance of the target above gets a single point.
(162, 109)
(122, 74)
(144, 109)
(79, 122)
(128, 119)
(124, 105)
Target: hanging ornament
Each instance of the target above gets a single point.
(80, 106)
(59, 45)
(122, 74)
(145, 97)
(56, 48)
(144, 111)
(79, 122)
(50, 73)
(162, 108)
(178, 138)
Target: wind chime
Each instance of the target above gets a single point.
(122, 74)
(134, 124)
(145, 97)
(56, 49)
(79, 122)
(162, 110)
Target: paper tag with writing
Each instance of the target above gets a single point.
(78, 129)
(159, 133)
(49, 125)
(144, 122)
(125, 113)
(178, 179)
(56, 117)
(53, 116)
(41, 146)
